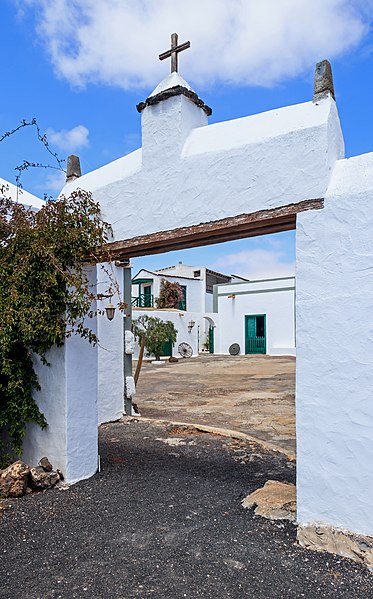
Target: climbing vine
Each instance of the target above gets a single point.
(170, 295)
(45, 296)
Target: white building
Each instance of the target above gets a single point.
(193, 318)
(197, 283)
(193, 183)
(257, 317)
(254, 316)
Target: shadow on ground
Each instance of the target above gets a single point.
(164, 519)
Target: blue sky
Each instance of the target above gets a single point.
(80, 67)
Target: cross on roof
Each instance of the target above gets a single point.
(173, 52)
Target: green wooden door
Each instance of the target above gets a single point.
(211, 339)
(147, 298)
(167, 349)
(255, 334)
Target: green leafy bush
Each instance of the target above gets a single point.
(156, 332)
(44, 296)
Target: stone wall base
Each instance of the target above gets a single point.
(338, 541)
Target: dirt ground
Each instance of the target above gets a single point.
(250, 394)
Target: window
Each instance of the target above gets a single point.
(182, 303)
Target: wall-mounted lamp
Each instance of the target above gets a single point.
(191, 324)
(110, 311)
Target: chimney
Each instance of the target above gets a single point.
(323, 81)
(73, 168)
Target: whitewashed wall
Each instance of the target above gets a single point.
(254, 298)
(68, 399)
(204, 173)
(189, 173)
(209, 302)
(334, 353)
(180, 321)
(110, 351)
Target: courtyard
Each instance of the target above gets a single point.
(253, 395)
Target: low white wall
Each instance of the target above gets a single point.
(256, 298)
(334, 353)
(180, 321)
(68, 399)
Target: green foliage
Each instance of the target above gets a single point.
(44, 296)
(156, 332)
(170, 295)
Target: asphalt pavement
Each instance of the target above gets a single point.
(164, 519)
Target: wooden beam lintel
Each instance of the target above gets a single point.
(237, 227)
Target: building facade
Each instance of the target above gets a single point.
(257, 317)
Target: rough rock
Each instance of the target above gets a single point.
(339, 541)
(41, 480)
(275, 501)
(173, 360)
(46, 465)
(60, 474)
(13, 480)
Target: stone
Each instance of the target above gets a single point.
(73, 168)
(172, 360)
(60, 474)
(130, 387)
(339, 541)
(46, 465)
(323, 81)
(275, 501)
(41, 480)
(14, 479)
(129, 342)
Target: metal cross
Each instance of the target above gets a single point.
(173, 52)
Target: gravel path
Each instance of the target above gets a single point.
(164, 520)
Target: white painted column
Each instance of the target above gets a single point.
(68, 399)
(334, 393)
(110, 350)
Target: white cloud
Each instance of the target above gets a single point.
(256, 264)
(69, 139)
(246, 42)
(54, 181)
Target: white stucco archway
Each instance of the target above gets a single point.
(279, 170)
(210, 321)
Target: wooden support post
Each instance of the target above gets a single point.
(140, 360)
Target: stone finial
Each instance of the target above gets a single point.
(323, 82)
(73, 168)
